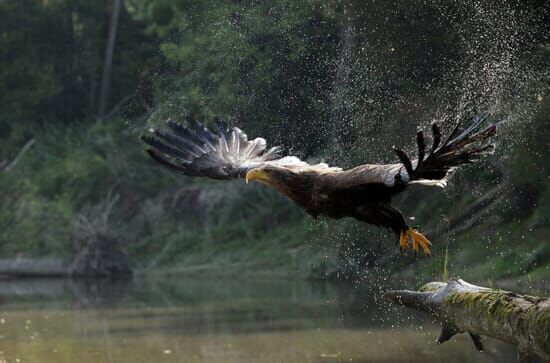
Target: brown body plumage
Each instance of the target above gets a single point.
(363, 193)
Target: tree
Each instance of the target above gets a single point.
(108, 64)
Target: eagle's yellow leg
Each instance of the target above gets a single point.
(418, 239)
(403, 241)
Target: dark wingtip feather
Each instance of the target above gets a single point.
(436, 131)
(195, 150)
(165, 162)
(453, 133)
(194, 124)
(202, 131)
(163, 148)
(189, 136)
(405, 160)
(190, 120)
(473, 124)
(421, 147)
(222, 125)
(175, 126)
(469, 146)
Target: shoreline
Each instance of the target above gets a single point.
(25, 268)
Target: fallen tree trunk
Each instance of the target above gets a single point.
(33, 267)
(461, 307)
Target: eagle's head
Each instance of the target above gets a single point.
(292, 182)
(271, 175)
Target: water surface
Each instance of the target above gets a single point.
(211, 321)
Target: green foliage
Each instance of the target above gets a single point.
(266, 64)
(52, 57)
(66, 170)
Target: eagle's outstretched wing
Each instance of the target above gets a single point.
(195, 150)
(432, 166)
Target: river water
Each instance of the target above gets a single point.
(212, 320)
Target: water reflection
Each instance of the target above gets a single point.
(209, 320)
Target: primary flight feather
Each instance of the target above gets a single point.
(363, 192)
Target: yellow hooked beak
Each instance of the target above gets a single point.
(258, 175)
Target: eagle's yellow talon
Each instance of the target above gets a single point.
(418, 239)
(403, 241)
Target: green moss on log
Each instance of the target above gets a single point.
(497, 303)
(538, 321)
(501, 308)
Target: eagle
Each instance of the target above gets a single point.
(364, 192)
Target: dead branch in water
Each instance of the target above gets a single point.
(461, 307)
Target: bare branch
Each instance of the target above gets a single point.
(6, 167)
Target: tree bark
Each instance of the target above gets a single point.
(461, 307)
(108, 65)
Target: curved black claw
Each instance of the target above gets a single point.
(477, 341)
(447, 332)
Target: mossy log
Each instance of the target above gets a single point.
(461, 307)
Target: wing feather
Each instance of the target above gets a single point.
(459, 148)
(195, 150)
